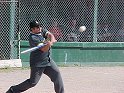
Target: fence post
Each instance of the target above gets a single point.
(95, 21)
(18, 39)
(12, 19)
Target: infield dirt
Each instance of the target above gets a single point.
(76, 80)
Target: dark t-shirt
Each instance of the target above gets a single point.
(37, 57)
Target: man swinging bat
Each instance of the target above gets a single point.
(40, 61)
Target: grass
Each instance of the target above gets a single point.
(87, 64)
(11, 69)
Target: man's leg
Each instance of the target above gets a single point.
(54, 74)
(35, 75)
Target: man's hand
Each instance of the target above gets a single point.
(52, 38)
(46, 47)
(49, 42)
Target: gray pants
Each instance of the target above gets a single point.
(36, 72)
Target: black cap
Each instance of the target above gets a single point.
(34, 24)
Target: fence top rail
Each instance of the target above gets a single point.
(8, 1)
(84, 44)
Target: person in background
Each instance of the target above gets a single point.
(120, 36)
(56, 31)
(72, 33)
(103, 33)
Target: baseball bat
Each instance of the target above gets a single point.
(33, 49)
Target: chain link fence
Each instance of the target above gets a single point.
(8, 29)
(103, 19)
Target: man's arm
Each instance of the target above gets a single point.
(49, 42)
(51, 38)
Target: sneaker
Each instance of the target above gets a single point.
(10, 90)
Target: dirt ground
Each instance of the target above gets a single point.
(76, 80)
